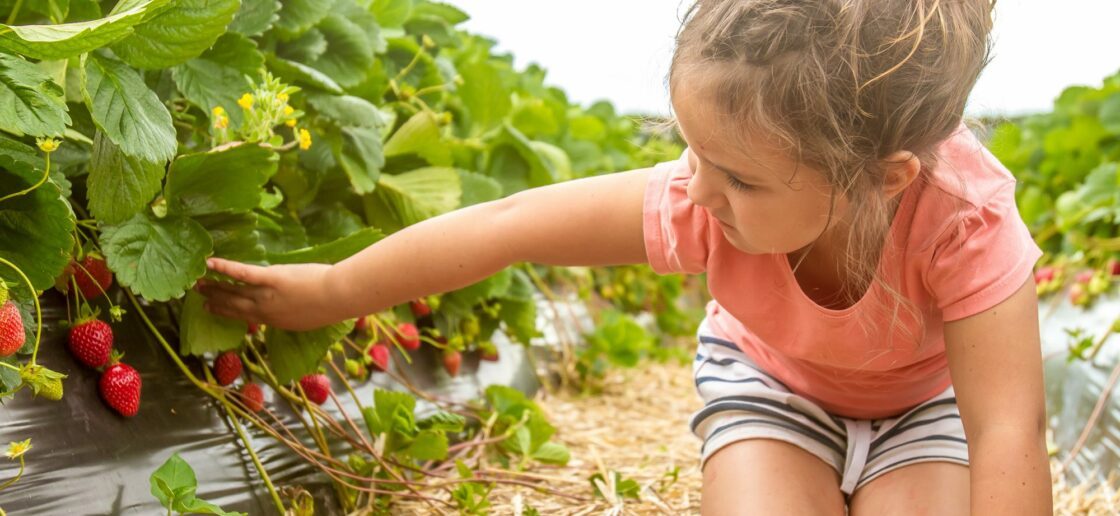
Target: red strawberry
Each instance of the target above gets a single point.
(90, 342)
(120, 388)
(362, 325)
(1044, 274)
(317, 387)
(12, 335)
(1114, 266)
(420, 308)
(451, 361)
(227, 367)
(93, 276)
(252, 396)
(1084, 277)
(379, 353)
(253, 328)
(410, 336)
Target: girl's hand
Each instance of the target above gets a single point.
(291, 297)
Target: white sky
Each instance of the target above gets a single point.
(619, 50)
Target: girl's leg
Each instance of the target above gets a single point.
(769, 477)
(927, 488)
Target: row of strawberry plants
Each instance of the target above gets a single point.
(289, 132)
(1067, 162)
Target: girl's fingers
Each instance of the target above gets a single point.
(234, 307)
(220, 288)
(251, 274)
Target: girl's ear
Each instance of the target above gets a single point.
(901, 168)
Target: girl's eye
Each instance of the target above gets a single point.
(737, 184)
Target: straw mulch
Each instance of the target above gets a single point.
(638, 427)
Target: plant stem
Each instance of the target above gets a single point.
(15, 478)
(38, 310)
(46, 174)
(15, 11)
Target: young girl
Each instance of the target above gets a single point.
(873, 342)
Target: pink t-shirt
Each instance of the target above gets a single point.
(961, 250)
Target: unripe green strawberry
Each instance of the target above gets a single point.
(227, 367)
(470, 327)
(120, 388)
(12, 335)
(356, 369)
(90, 342)
(379, 356)
(93, 276)
(252, 396)
(42, 381)
(317, 387)
(409, 336)
(451, 361)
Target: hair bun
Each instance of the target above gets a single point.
(777, 27)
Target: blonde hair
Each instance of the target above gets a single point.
(842, 84)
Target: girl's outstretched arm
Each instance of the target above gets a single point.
(590, 221)
(995, 360)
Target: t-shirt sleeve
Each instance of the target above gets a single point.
(674, 229)
(982, 259)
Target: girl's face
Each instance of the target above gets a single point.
(764, 201)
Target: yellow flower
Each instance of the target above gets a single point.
(291, 122)
(16, 449)
(246, 101)
(288, 110)
(47, 144)
(218, 111)
(221, 122)
(283, 97)
(304, 139)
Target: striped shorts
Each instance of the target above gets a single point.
(741, 401)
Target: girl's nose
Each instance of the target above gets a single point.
(702, 190)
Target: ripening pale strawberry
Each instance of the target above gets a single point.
(227, 367)
(488, 351)
(379, 354)
(362, 325)
(91, 342)
(252, 329)
(93, 276)
(252, 396)
(120, 388)
(317, 387)
(1077, 295)
(409, 335)
(419, 308)
(1083, 277)
(451, 361)
(12, 335)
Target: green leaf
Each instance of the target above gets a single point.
(255, 17)
(177, 34)
(36, 226)
(296, 16)
(294, 72)
(229, 180)
(419, 135)
(349, 54)
(61, 41)
(347, 110)
(357, 150)
(462, 302)
(446, 12)
(198, 506)
(624, 339)
(30, 102)
(429, 445)
(125, 109)
(444, 421)
(176, 476)
(119, 186)
(553, 453)
(331, 223)
(220, 75)
(157, 258)
(201, 332)
(391, 13)
(294, 354)
(484, 94)
(420, 194)
(388, 405)
(331, 252)
(478, 188)
(235, 236)
(520, 318)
